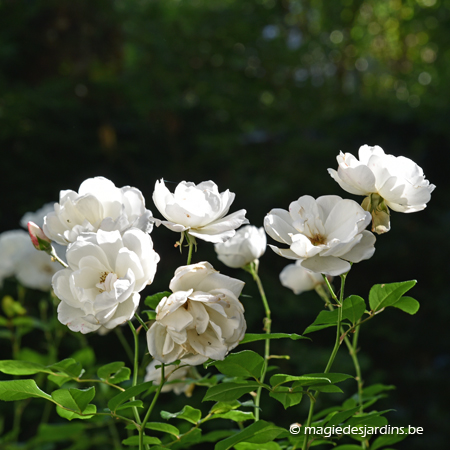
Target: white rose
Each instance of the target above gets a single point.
(323, 234)
(99, 204)
(171, 373)
(198, 209)
(19, 258)
(299, 279)
(106, 272)
(202, 319)
(249, 243)
(388, 181)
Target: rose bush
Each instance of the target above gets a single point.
(198, 209)
(202, 319)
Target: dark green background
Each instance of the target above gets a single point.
(258, 96)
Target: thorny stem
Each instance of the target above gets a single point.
(337, 344)
(253, 269)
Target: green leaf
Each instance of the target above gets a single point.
(69, 415)
(227, 392)
(187, 413)
(331, 389)
(236, 415)
(384, 295)
(222, 407)
(309, 379)
(303, 380)
(105, 372)
(137, 403)
(243, 364)
(114, 372)
(249, 446)
(152, 301)
(188, 440)
(68, 366)
(388, 439)
(151, 315)
(217, 435)
(126, 395)
(12, 367)
(348, 447)
(408, 305)
(59, 380)
(353, 308)
(372, 419)
(251, 337)
(374, 389)
(75, 399)
(259, 433)
(20, 389)
(341, 417)
(163, 427)
(134, 440)
(286, 396)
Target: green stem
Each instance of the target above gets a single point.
(253, 269)
(150, 409)
(56, 258)
(135, 368)
(191, 241)
(359, 379)
(141, 322)
(337, 344)
(351, 346)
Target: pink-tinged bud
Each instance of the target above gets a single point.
(38, 238)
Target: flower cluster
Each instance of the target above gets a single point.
(105, 231)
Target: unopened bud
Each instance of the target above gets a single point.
(39, 239)
(380, 213)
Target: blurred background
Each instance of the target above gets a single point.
(258, 96)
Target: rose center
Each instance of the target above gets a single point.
(317, 239)
(106, 282)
